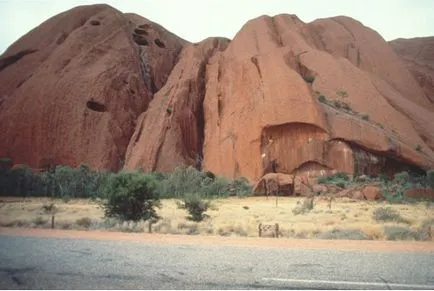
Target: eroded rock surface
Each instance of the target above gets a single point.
(114, 90)
(72, 88)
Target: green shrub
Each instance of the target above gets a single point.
(339, 179)
(365, 117)
(430, 178)
(131, 196)
(195, 205)
(49, 208)
(418, 147)
(342, 93)
(241, 187)
(305, 207)
(388, 215)
(40, 221)
(183, 180)
(401, 233)
(309, 79)
(322, 99)
(337, 104)
(84, 222)
(401, 178)
(169, 110)
(352, 234)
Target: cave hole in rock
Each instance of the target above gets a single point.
(96, 106)
(140, 40)
(159, 43)
(95, 22)
(140, 31)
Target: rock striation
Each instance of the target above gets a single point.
(112, 90)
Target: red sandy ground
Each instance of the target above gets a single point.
(392, 246)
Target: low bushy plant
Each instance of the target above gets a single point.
(401, 233)
(387, 214)
(195, 205)
(131, 196)
(339, 179)
(430, 178)
(306, 206)
(309, 78)
(84, 222)
(351, 234)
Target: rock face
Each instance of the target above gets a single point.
(72, 89)
(113, 90)
(418, 55)
(261, 107)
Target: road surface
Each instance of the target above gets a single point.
(56, 262)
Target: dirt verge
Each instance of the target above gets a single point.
(377, 246)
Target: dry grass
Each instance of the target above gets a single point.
(231, 216)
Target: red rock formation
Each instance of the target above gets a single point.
(170, 132)
(418, 55)
(95, 86)
(72, 88)
(259, 108)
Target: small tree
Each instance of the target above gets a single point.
(195, 206)
(131, 196)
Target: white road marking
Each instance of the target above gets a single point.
(378, 284)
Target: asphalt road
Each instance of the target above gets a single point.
(59, 263)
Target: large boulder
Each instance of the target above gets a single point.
(284, 183)
(372, 193)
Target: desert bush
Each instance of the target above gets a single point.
(218, 186)
(430, 178)
(401, 233)
(64, 182)
(309, 79)
(189, 228)
(427, 223)
(195, 205)
(84, 222)
(40, 221)
(338, 179)
(241, 187)
(49, 208)
(352, 234)
(341, 93)
(131, 196)
(387, 214)
(305, 207)
(322, 99)
(185, 180)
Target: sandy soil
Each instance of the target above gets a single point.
(384, 246)
(228, 217)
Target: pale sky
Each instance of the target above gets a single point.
(195, 20)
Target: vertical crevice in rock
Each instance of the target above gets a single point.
(255, 62)
(275, 34)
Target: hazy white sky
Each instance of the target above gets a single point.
(195, 20)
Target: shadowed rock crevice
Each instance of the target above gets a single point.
(371, 162)
(8, 61)
(184, 125)
(96, 106)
